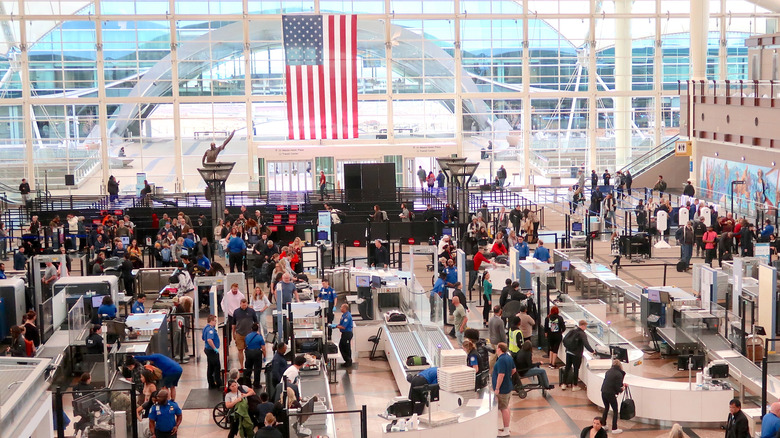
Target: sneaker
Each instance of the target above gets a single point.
(503, 432)
(563, 387)
(616, 431)
(576, 388)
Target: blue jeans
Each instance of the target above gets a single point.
(540, 374)
(686, 252)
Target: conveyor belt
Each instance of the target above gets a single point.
(714, 342)
(746, 367)
(438, 337)
(405, 342)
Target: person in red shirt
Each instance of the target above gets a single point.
(709, 239)
(498, 248)
(323, 185)
(481, 257)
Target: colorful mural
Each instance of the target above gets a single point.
(760, 186)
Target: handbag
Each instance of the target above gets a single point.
(627, 406)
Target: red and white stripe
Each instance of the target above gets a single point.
(322, 99)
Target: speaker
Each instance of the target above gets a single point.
(70, 180)
(353, 182)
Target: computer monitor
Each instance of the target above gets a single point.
(619, 353)
(654, 295)
(562, 266)
(376, 281)
(125, 240)
(363, 280)
(306, 410)
(576, 226)
(446, 231)
(421, 392)
(665, 298)
(97, 300)
(696, 361)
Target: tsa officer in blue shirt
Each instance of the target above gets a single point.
(328, 294)
(522, 248)
(438, 290)
(255, 346)
(541, 253)
(345, 326)
(164, 417)
(138, 305)
(211, 340)
(107, 308)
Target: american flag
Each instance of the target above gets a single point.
(321, 69)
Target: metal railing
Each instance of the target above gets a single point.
(652, 157)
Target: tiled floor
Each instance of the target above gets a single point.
(561, 414)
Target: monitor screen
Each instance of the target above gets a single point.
(562, 266)
(97, 300)
(696, 362)
(665, 299)
(619, 353)
(363, 281)
(125, 240)
(376, 281)
(447, 231)
(654, 295)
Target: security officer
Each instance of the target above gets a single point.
(211, 341)
(345, 326)
(328, 294)
(164, 417)
(138, 305)
(255, 344)
(95, 340)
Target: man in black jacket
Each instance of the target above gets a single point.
(516, 216)
(629, 181)
(574, 349)
(505, 293)
(24, 190)
(737, 424)
(429, 214)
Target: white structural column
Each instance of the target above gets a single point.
(700, 11)
(622, 99)
(722, 51)
(26, 105)
(177, 155)
(527, 108)
(658, 67)
(105, 141)
(458, 110)
(593, 117)
(251, 149)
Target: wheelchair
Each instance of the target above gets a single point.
(522, 389)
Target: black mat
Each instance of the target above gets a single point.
(203, 399)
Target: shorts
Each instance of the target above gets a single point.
(240, 341)
(503, 400)
(171, 380)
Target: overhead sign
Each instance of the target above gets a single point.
(683, 148)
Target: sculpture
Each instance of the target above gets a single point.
(210, 156)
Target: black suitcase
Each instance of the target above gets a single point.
(682, 266)
(562, 376)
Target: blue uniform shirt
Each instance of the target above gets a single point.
(204, 263)
(522, 249)
(504, 365)
(138, 307)
(769, 425)
(766, 232)
(164, 363)
(107, 309)
(254, 341)
(165, 416)
(542, 253)
(236, 245)
(346, 322)
(452, 275)
(438, 287)
(430, 374)
(209, 332)
(328, 294)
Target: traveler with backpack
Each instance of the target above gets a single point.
(575, 342)
(554, 326)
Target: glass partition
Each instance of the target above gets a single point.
(77, 321)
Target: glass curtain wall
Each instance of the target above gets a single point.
(118, 88)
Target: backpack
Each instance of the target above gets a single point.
(384, 216)
(411, 215)
(165, 254)
(571, 342)
(483, 356)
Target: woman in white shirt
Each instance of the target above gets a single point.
(262, 307)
